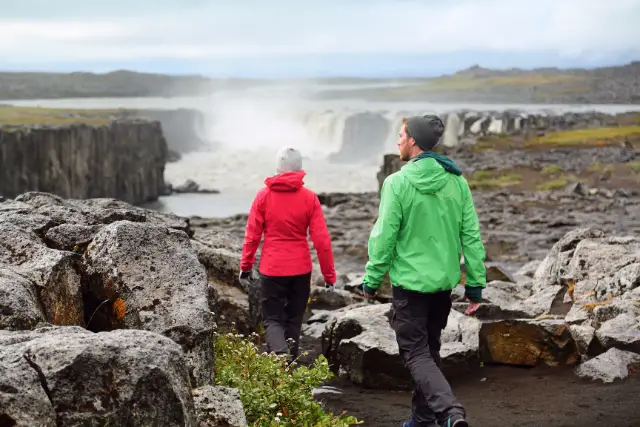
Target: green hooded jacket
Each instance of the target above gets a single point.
(426, 220)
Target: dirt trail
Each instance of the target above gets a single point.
(504, 396)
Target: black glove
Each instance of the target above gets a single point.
(245, 276)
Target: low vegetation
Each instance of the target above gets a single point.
(273, 392)
(21, 116)
(590, 136)
(492, 179)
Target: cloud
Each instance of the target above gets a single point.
(73, 31)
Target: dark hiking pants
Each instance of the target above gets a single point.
(284, 300)
(418, 320)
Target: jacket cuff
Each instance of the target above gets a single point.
(473, 293)
(369, 290)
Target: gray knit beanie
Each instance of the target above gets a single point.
(426, 130)
(288, 159)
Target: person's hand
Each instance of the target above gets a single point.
(329, 286)
(472, 307)
(245, 277)
(367, 292)
(473, 294)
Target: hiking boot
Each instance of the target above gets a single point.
(413, 423)
(455, 421)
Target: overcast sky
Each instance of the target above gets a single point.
(323, 37)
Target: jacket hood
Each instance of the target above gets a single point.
(426, 175)
(288, 181)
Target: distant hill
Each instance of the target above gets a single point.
(122, 83)
(606, 85)
(620, 84)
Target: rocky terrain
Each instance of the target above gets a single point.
(123, 303)
(107, 317)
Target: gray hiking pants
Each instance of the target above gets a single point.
(284, 301)
(418, 320)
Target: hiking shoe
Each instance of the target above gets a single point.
(455, 421)
(413, 423)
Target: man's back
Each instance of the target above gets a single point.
(428, 215)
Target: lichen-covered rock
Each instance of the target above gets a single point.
(154, 281)
(218, 407)
(68, 376)
(19, 306)
(528, 342)
(56, 274)
(610, 366)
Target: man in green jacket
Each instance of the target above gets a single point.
(426, 220)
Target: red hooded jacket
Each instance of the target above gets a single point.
(284, 210)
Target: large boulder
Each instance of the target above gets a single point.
(153, 280)
(19, 305)
(54, 274)
(610, 366)
(527, 342)
(68, 376)
(361, 346)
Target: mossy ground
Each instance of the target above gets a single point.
(27, 116)
(575, 138)
(553, 177)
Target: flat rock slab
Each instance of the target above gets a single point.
(68, 376)
(613, 365)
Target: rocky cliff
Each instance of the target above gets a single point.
(123, 160)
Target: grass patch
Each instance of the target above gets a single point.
(272, 392)
(554, 184)
(466, 82)
(489, 179)
(634, 167)
(551, 170)
(591, 136)
(24, 116)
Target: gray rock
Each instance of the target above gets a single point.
(609, 366)
(64, 376)
(361, 346)
(153, 278)
(71, 237)
(55, 273)
(497, 272)
(322, 298)
(529, 269)
(555, 264)
(583, 336)
(218, 406)
(622, 332)
(19, 306)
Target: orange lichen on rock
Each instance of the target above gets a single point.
(119, 309)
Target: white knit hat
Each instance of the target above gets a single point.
(288, 159)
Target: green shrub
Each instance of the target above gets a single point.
(551, 170)
(273, 392)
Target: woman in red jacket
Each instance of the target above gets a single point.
(284, 211)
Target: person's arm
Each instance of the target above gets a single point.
(321, 239)
(253, 233)
(383, 238)
(473, 250)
